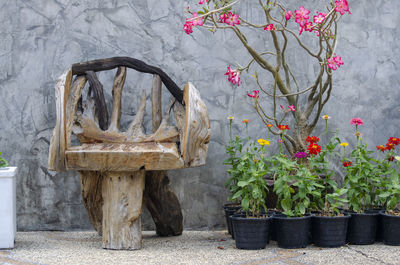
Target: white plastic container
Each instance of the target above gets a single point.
(8, 213)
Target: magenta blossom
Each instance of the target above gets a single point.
(320, 18)
(254, 94)
(233, 75)
(232, 19)
(292, 108)
(334, 62)
(203, 1)
(188, 27)
(288, 15)
(342, 6)
(302, 12)
(300, 154)
(270, 27)
(356, 121)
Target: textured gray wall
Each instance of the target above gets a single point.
(39, 39)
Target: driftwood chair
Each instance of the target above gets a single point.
(120, 170)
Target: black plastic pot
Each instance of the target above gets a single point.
(272, 229)
(379, 228)
(362, 228)
(230, 209)
(292, 232)
(329, 232)
(391, 229)
(251, 233)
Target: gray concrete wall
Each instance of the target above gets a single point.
(39, 39)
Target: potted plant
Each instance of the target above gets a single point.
(329, 225)
(390, 217)
(8, 206)
(295, 186)
(361, 179)
(385, 166)
(251, 229)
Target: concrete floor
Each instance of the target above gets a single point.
(193, 247)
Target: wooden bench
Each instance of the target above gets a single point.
(119, 169)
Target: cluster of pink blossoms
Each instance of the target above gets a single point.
(302, 16)
(188, 27)
(230, 19)
(233, 76)
(270, 27)
(334, 62)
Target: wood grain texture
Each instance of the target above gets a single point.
(119, 81)
(91, 188)
(73, 98)
(124, 157)
(58, 140)
(138, 65)
(122, 207)
(100, 103)
(156, 102)
(195, 127)
(158, 196)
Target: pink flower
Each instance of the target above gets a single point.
(233, 76)
(342, 6)
(338, 60)
(320, 18)
(280, 141)
(222, 18)
(301, 21)
(188, 27)
(331, 63)
(232, 19)
(254, 94)
(309, 27)
(292, 108)
(282, 107)
(197, 21)
(356, 121)
(288, 15)
(334, 62)
(270, 27)
(203, 1)
(302, 12)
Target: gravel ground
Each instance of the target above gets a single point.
(193, 247)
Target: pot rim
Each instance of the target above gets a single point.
(383, 212)
(362, 214)
(345, 216)
(284, 217)
(241, 218)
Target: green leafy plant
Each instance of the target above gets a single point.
(295, 185)
(362, 179)
(3, 162)
(251, 186)
(234, 150)
(391, 195)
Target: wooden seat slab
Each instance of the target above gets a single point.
(124, 157)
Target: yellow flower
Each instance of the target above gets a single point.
(231, 118)
(344, 144)
(326, 117)
(263, 142)
(397, 158)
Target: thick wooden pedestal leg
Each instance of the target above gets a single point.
(122, 207)
(163, 204)
(91, 182)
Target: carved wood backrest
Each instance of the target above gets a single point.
(90, 122)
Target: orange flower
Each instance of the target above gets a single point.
(283, 127)
(389, 146)
(381, 148)
(245, 121)
(269, 125)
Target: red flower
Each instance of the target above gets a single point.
(390, 146)
(381, 148)
(283, 127)
(347, 163)
(314, 149)
(393, 140)
(312, 139)
(390, 158)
